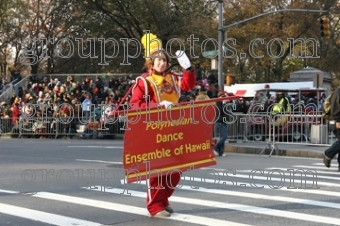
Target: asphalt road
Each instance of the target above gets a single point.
(80, 182)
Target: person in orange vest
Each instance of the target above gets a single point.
(163, 88)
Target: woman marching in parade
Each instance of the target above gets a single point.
(158, 86)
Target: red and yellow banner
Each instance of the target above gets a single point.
(159, 140)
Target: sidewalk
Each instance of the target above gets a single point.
(305, 150)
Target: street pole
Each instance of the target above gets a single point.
(220, 45)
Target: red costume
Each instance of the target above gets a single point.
(159, 88)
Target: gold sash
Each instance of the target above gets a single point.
(164, 87)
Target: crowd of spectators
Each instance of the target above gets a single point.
(63, 97)
(57, 97)
(51, 98)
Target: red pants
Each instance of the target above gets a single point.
(159, 190)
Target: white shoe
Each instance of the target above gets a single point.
(161, 214)
(215, 152)
(224, 154)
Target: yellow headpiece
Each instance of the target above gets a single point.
(151, 44)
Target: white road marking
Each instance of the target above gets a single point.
(319, 172)
(8, 191)
(133, 209)
(263, 186)
(44, 217)
(93, 160)
(285, 170)
(317, 167)
(272, 177)
(252, 195)
(240, 207)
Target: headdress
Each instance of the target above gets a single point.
(151, 45)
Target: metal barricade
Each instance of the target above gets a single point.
(256, 127)
(5, 125)
(52, 127)
(237, 128)
(299, 128)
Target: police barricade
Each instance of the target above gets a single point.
(34, 127)
(256, 127)
(5, 125)
(301, 127)
(298, 126)
(53, 127)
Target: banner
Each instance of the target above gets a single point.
(161, 140)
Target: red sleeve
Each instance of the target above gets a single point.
(138, 91)
(188, 81)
